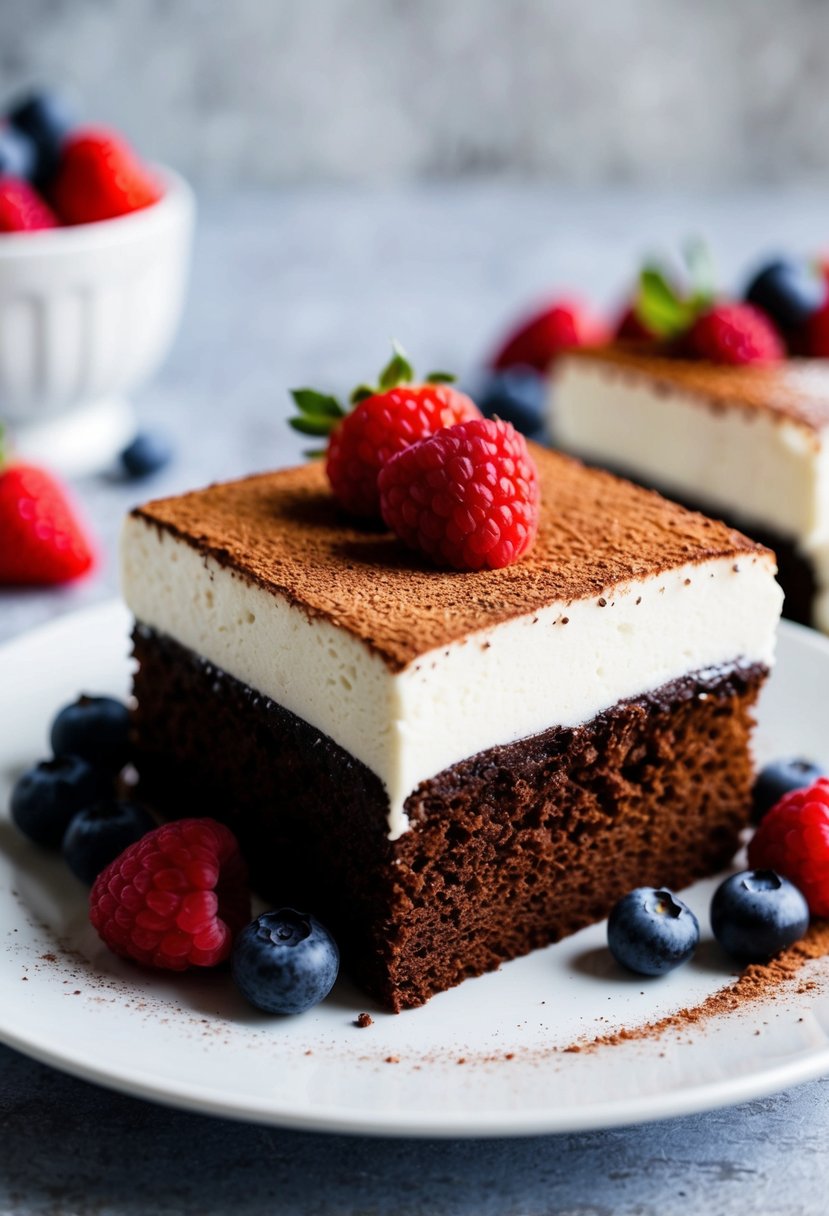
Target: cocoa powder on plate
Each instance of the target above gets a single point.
(758, 981)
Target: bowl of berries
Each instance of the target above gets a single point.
(94, 254)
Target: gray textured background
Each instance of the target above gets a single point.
(671, 92)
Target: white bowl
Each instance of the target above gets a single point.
(87, 313)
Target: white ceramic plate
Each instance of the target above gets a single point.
(479, 1060)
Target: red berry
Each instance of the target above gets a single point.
(468, 497)
(736, 334)
(793, 838)
(817, 333)
(22, 209)
(544, 335)
(100, 177)
(174, 899)
(41, 540)
(378, 428)
(629, 328)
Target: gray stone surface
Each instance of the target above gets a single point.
(663, 91)
(306, 286)
(67, 1147)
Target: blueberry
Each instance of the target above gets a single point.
(98, 833)
(651, 931)
(285, 961)
(96, 728)
(148, 453)
(787, 291)
(779, 778)
(47, 796)
(756, 914)
(18, 155)
(46, 119)
(517, 395)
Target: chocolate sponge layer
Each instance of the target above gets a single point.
(509, 850)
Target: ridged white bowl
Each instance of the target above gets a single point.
(87, 313)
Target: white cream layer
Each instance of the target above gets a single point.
(767, 469)
(495, 687)
(763, 469)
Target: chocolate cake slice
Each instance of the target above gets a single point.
(747, 444)
(450, 769)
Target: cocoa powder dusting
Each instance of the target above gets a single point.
(757, 982)
(283, 532)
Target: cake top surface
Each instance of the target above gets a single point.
(796, 390)
(284, 532)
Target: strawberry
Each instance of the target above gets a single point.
(41, 541)
(384, 420)
(468, 497)
(22, 209)
(539, 338)
(100, 177)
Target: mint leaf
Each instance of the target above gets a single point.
(658, 306)
(316, 405)
(398, 370)
(440, 378)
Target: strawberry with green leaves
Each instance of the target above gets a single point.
(384, 419)
(41, 540)
(691, 321)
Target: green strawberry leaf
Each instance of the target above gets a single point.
(320, 413)
(314, 453)
(316, 405)
(307, 425)
(398, 370)
(361, 393)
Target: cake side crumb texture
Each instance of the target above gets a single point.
(508, 850)
(284, 532)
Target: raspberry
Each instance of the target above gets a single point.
(380, 427)
(100, 177)
(793, 839)
(736, 334)
(174, 899)
(22, 209)
(468, 497)
(544, 335)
